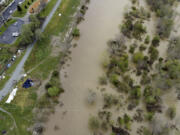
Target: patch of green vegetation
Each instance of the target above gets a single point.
(6, 25)
(138, 57)
(44, 13)
(53, 86)
(94, 123)
(156, 41)
(76, 32)
(6, 122)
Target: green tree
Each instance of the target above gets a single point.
(26, 35)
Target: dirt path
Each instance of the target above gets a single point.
(101, 24)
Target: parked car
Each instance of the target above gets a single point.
(15, 34)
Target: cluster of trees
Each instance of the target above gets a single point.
(133, 24)
(31, 31)
(152, 99)
(20, 8)
(53, 87)
(164, 10)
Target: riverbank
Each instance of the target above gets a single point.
(82, 72)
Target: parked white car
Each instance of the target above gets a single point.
(15, 34)
(10, 11)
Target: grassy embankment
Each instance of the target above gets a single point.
(26, 100)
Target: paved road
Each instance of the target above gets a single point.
(17, 73)
(6, 37)
(9, 10)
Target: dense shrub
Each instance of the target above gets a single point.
(147, 39)
(76, 32)
(138, 57)
(110, 100)
(156, 41)
(172, 69)
(136, 92)
(53, 91)
(138, 30)
(114, 79)
(153, 54)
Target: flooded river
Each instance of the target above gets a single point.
(101, 24)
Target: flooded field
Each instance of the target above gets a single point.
(82, 72)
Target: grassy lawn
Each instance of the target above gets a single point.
(5, 26)
(24, 6)
(48, 8)
(26, 99)
(6, 122)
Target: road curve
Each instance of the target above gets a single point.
(17, 73)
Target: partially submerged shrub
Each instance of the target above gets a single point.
(138, 57)
(138, 30)
(110, 100)
(92, 97)
(153, 54)
(114, 79)
(93, 123)
(149, 116)
(103, 80)
(147, 39)
(156, 41)
(171, 112)
(76, 32)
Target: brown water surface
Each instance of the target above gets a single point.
(101, 24)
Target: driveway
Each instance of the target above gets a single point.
(6, 37)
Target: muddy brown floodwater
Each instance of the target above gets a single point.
(101, 24)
